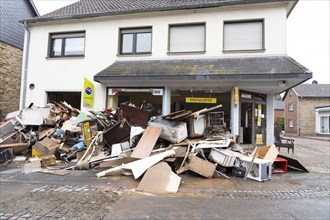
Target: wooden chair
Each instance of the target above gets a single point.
(282, 142)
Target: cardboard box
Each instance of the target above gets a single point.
(44, 147)
(267, 153)
(49, 160)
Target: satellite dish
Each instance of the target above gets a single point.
(315, 82)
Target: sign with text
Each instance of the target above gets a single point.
(201, 100)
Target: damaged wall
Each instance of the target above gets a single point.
(10, 77)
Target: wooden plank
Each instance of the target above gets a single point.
(173, 113)
(116, 162)
(140, 166)
(159, 179)
(147, 142)
(202, 167)
(55, 172)
(13, 145)
(182, 115)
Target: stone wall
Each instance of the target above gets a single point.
(307, 114)
(10, 77)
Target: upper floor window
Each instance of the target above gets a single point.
(135, 41)
(290, 93)
(290, 123)
(187, 38)
(243, 35)
(290, 107)
(67, 44)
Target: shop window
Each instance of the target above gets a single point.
(325, 124)
(67, 44)
(290, 123)
(290, 107)
(187, 38)
(135, 41)
(243, 35)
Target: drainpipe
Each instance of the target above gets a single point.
(24, 66)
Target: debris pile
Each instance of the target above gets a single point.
(130, 141)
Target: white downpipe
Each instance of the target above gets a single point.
(22, 103)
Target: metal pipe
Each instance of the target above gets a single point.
(24, 67)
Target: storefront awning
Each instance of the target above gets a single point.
(266, 68)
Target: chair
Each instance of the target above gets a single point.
(283, 142)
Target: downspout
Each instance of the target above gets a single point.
(24, 66)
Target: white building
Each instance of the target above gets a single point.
(168, 53)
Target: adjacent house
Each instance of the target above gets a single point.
(172, 55)
(278, 110)
(11, 50)
(307, 110)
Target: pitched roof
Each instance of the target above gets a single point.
(95, 8)
(11, 31)
(279, 104)
(312, 90)
(266, 67)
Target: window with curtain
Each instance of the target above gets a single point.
(187, 38)
(243, 35)
(135, 41)
(325, 124)
(67, 44)
(290, 107)
(290, 123)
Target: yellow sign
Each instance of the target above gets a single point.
(88, 92)
(200, 100)
(259, 139)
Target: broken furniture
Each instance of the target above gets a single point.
(260, 169)
(173, 131)
(282, 142)
(280, 165)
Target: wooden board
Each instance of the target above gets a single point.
(140, 166)
(159, 179)
(116, 162)
(202, 167)
(55, 172)
(147, 142)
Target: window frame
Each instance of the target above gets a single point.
(323, 130)
(262, 20)
(185, 25)
(135, 31)
(63, 36)
(290, 122)
(290, 106)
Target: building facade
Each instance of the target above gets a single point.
(304, 107)
(11, 51)
(172, 54)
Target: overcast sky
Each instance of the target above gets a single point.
(308, 33)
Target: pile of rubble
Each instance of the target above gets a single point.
(131, 141)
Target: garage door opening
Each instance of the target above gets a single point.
(72, 98)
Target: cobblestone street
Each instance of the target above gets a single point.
(81, 195)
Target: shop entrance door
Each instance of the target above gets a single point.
(253, 121)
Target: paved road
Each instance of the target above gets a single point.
(81, 195)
